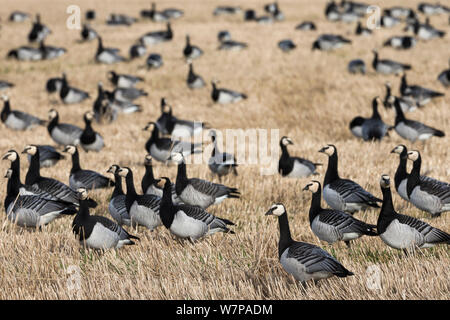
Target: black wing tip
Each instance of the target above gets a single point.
(439, 133)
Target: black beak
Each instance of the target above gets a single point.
(270, 212)
(24, 150)
(323, 149)
(306, 187)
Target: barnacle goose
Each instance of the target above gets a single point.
(98, 232)
(294, 167)
(187, 221)
(30, 210)
(160, 148)
(62, 133)
(411, 129)
(329, 42)
(226, 10)
(443, 77)
(128, 94)
(88, 33)
(404, 232)
(49, 185)
(333, 225)
(388, 21)
(221, 163)
(430, 195)
(51, 52)
(430, 9)
(26, 53)
(332, 11)
(361, 31)
(144, 210)
(420, 94)
(306, 25)
(401, 42)
(116, 19)
(154, 15)
(426, 31)
(169, 124)
(232, 45)
(407, 104)
(18, 120)
(103, 112)
(286, 45)
(173, 13)
(154, 61)
(123, 80)
(356, 126)
(357, 66)
(343, 194)
(190, 51)
(18, 16)
(114, 106)
(198, 192)
(225, 96)
(194, 81)
(70, 95)
(38, 31)
(223, 35)
(374, 128)
(386, 66)
(137, 50)
(156, 37)
(5, 85)
(117, 206)
(150, 185)
(107, 55)
(398, 12)
(80, 178)
(89, 139)
(48, 156)
(53, 85)
(304, 261)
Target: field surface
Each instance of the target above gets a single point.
(308, 96)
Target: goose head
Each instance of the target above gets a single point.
(113, 169)
(329, 150)
(276, 209)
(313, 186)
(70, 149)
(285, 141)
(385, 181)
(30, 149)
(11, 155)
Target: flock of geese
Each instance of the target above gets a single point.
(182, 206)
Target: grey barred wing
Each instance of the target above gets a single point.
(149, 201)
(436, 188)
(352, 192)
(431, 234)
(209, 188)
(196, 213)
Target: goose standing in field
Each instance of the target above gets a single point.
(160, 148)
(190, 51)
(154, 61)
(344, 194)
(294, 167)
(225, 96)
(39, 31)
(430, 195)
(144, 210)
(443, 77)
(117, 206)
(306, 26)
(154, 15)
(18, 120)
(156, 37)
(404, 232)
(70, 95)
(53, 85)
(333, 225)
(107, 55)
(406, 104)
(420, 94)
(187, 221)
(194, 81)
(221, 163)
(48, 156)
(88, 33)
(123, 80)
(304, 261)
(357, 66)
(386, 66)
(30, 210)
(150, 185)
(18, 16)
(80, 178)
(198, 192)
(98, 232)
(49, 185)
(286, 45)
(361, 31)
(374, 128)
(137, 50)
(329, 42)
(26, 53)
(411, 129)
(401, 42)
(62, 133)
(5, 85)
(89, 139)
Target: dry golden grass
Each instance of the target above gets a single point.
(308, 96)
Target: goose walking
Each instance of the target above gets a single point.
(344, 194)
(374, 128)
(225, 96)
(333, 225)
(294, 167)
(420, 94)
(123, 80)
(144, 210)
(117, 206)
(386, 66)
(18, 120)
(404, 232)
(89, 139)
(107, 55)
(430, 195)
(187, 221)
(62, 133)
(198, 192)
(80, 178)
(410, 129)
(98, 232)
(304, 261)
(190, 51)
(194, 81)
(221, 163)
(29, 210)
(71, 95)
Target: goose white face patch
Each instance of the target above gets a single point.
(413, 155)
(329, 150)
(278, 209)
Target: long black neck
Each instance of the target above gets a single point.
(12, 190)
(414, 176)
(284, 151)
(375, 60)
(332, 170)
(99, 100)
(118, 191)
(399, 115)
(75, 162)
(148, 179)
(182, 179)
(100, 46)
(52, 124)
(388, 94)
(285, 234)
(375, 113)
(15, 167)
(34, 171)
(387, 213)
(401, 173)
(403, 85)
(6, 110)
(131, 191)
(167, 211)
(83, 211)
(315, 208)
